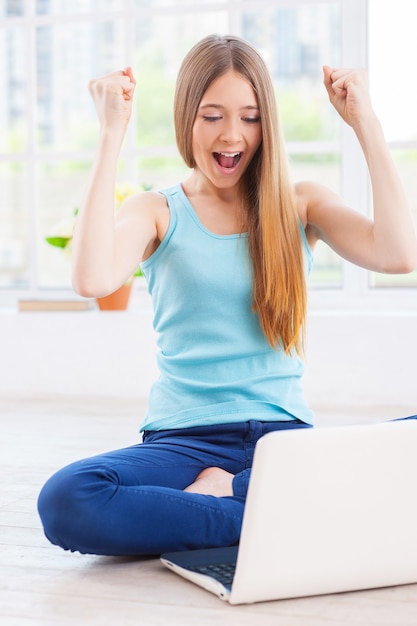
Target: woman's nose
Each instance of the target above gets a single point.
(231, 133)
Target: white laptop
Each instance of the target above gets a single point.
(328, 510)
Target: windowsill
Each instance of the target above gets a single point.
(398, 301)
(9, 299)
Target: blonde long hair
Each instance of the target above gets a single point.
(279, 289)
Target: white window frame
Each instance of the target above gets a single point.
(355, 292)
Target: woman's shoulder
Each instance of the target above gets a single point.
(148, 203)
(313, 201)
(157, 201)
(146, 208)
(149, 200)
(157, 204)
(303, 192)
(311, 194)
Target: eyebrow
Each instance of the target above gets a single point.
(250, 107)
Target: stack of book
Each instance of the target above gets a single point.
(56, 305)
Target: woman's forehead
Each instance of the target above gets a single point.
(227, 88)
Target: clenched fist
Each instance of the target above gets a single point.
(112, 95)
(349, 94)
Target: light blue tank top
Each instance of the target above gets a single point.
(215, 364)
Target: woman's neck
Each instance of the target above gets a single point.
(219, 210)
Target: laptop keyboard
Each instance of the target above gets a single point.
(223, 572)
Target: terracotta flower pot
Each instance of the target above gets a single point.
(116, 301)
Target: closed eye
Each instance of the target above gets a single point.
(211, 118)
(251, 120)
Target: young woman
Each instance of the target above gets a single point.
(225, 254)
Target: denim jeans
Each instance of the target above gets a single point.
(131, 501)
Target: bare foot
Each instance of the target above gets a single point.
(212, 481)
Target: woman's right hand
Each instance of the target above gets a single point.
(112, 95)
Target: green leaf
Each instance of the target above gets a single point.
(58, 242)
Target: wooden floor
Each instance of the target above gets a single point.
(43, 585)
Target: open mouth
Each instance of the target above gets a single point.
(227, 160)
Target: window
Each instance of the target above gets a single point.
(49, 49)
(395, 99)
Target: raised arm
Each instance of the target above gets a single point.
(106, 250)
(386, 243)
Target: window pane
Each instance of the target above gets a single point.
(13, 109)
(46, 7)
(296, 42)
(157, 60)
(11, 8)
(394, 96)
(327, 266)
(68, 56)
(406, 161)
(392, 55)
(144, 4)
(14, 226)
(60, 189)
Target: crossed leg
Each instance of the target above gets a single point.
(142, 500)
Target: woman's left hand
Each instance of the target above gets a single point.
(349, 94)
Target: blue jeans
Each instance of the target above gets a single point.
(131, 501)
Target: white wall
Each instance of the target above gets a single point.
(362, 358)
(353, 359)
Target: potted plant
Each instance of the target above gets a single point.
(60, 236)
